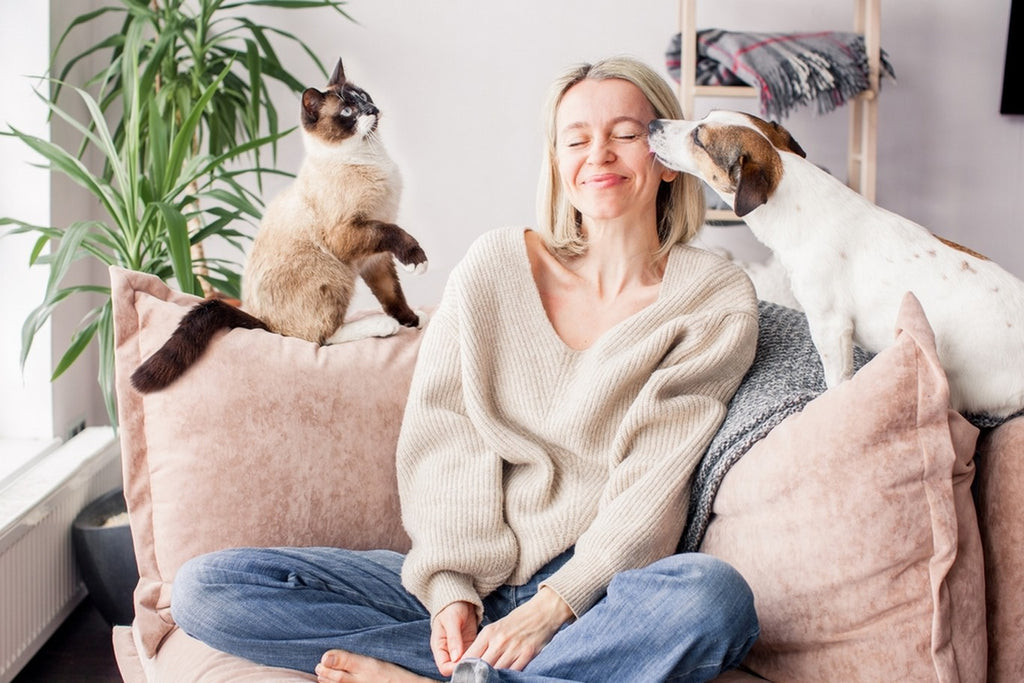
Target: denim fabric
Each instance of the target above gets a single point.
(684, 618)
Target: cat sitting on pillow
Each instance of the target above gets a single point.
(335, 222)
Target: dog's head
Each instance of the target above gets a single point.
(736, 154)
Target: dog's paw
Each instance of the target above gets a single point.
(370, 326)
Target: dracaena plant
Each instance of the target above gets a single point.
(183, 100)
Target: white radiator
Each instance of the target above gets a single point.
(39, 583)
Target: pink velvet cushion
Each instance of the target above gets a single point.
(266, 441)
(1001, 512)
(853, 522)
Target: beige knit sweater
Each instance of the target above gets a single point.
(515, 447)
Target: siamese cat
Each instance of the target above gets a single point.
(334, 222)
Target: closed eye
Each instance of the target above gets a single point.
(696, 137)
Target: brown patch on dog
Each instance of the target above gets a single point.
(962, 248)
(778, 136)
(751, 162)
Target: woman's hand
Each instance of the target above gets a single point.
(452, 631)
(511, 642)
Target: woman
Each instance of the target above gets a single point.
(567, 386)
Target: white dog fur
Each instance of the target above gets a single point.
(850, 262)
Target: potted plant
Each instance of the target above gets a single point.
(184, 97)
(102, 542)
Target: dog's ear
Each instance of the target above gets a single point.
(754, 184)
(783, 140)
(778, 136)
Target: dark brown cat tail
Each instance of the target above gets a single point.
(187, 343)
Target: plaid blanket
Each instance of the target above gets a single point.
(827, 68)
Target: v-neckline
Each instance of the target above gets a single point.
(543, 320)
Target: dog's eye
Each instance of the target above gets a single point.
(696, 136)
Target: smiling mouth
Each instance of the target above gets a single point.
(602, 179)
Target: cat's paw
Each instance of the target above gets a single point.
(415, 268)
(370, 326)
(423, 316)
(411, 255)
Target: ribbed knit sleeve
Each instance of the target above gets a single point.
(450, 484)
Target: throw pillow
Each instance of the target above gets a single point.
(1001, 513)
(854, 525)
(267, 440)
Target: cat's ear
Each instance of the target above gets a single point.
(312, 100)
(338, 77)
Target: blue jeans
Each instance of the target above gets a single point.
(684, 618)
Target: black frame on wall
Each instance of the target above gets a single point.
(1013, 73)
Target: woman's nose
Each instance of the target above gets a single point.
(600, 152)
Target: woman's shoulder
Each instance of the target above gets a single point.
(712, 277)
(493, 251)
(497, 242)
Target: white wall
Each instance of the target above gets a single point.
(30, 406)
(461, 84)
(25, 193)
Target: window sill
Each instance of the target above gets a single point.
(18, 455)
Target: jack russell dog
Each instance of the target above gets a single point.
(850, 262)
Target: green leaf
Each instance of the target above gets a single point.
(65, 163)
(105, 337)
(179, 246)
(181, 145)
(79, 342)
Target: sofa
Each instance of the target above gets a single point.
(881, 532)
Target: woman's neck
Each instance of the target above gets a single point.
(618, 258)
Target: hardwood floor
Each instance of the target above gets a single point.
(80, 651)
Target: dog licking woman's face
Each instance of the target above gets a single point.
(605, 165)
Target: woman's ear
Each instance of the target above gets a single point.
(668, 175)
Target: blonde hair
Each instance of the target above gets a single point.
(680, 203)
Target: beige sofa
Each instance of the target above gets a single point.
(852, 519)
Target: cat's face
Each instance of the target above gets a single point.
(341, 112)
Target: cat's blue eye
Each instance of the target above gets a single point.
(346, 112)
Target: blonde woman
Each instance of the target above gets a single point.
(566, 389)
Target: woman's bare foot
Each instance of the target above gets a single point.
(339, 666)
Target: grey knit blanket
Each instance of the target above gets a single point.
(827, 68)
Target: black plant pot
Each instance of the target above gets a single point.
(106, 557)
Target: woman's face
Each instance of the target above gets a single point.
(606, 168)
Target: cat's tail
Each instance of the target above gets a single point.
(187, 343)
